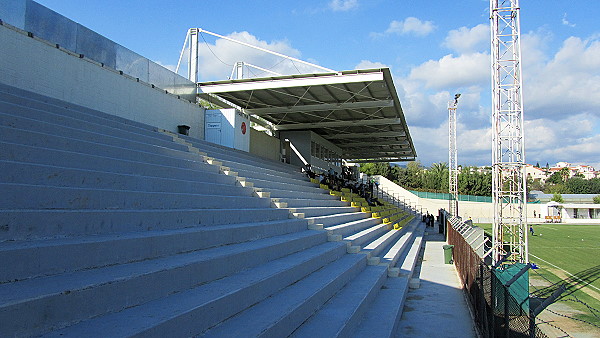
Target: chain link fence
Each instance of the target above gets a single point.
(446, 196)
(501, 308)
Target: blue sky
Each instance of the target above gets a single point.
(434, 49)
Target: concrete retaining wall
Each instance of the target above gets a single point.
(478, 211)
(32, 64)
(264, 145)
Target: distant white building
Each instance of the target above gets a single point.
(587, 171)
(534, 173)
(553, 212)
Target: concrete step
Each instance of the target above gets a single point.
(244, 166)
(27, 118)
(305, 202)
(340, 316)
(284, 184)
(38, 174)
(108, 146)
(323, 211)
(193, 311)
(31, 224)
(18, 196)
(123, 150)
(367, 235)
(382, 318)
(408, 262)
(392, 255)
(242, 156)
(36, 101)
(386, 310)
(352, 227)
(257, 173)
(337, 219)
(378, 246)
(61, 158)
(280, 314)
(38, 305)
(55, 256)
(292, 193)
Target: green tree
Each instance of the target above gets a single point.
(556, 189)
(555, 178)
(537, 165)
(597, 199)
(564, 172)
(534, 184)
(558, 198)
(377, 168)
(436, 178)
(594, 185)
(578, 185)
(472, 182)
(414, 173)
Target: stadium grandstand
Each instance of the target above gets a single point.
(129, 209)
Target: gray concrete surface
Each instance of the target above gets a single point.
(437, 308)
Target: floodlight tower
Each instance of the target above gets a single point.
(452, 157)
(509, 193)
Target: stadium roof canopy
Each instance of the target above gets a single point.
(356, 110)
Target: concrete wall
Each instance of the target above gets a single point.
(302, 141)
(55, 28)
(34, 65)
(480, 212)
(264, 145)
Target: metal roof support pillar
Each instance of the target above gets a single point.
(508, 144)
(193, 56)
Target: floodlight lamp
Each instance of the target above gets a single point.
(456, 96)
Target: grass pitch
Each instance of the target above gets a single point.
(567, 252)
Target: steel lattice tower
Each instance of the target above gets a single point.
(452, 158)
(509, 190)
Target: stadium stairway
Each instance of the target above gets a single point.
(109, 227)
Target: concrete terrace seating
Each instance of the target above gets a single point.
(109, 227)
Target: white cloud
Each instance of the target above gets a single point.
(410, 26)
(468, 40)
(571, 139)
(429, 143)
(566, 22)
(474, 141)
(561, 101)
(453, 72)
(535, 49)
(474, 145)
(217, 59)
(366, 64)
(343, 5)
(422, 109)
(567, 83)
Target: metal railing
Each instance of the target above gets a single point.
(391, 197)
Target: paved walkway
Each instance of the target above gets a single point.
(437, 308)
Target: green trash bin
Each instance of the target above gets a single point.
(448, 254)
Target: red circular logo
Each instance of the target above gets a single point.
(244, 128)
